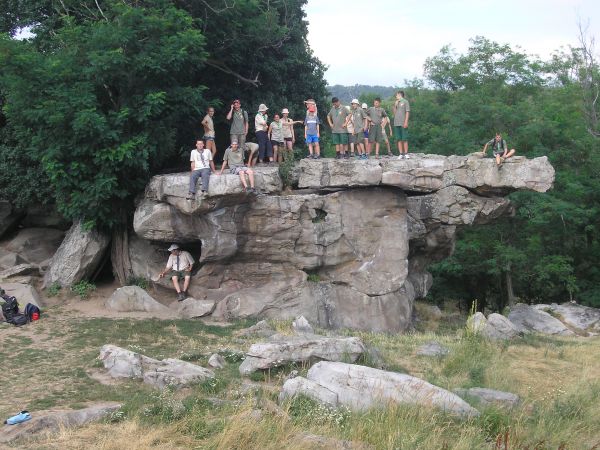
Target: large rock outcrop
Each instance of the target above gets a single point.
(349, 249)
(78, 256)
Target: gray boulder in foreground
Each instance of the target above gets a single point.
(583, 318)
(529, 319)
(135, 299)
(267, 355)
(78, 256)
(361, 388)
(53, 421)
(190, 308)
(122, 363)
(499, 328)
(489, 397)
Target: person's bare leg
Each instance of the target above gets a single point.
(377, 149)
(175, 281)
(509, 154)
(317, 149)
(251, 177)
(289, 145)
(498, 159)
(405, 145)
(186, 283)
(212, 147)
(387, 143)
(243, 179)
(275, 148)
(400, 147)
(310, 149)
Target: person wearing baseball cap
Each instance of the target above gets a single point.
(180, 264)
(358, 119)
(261, 127)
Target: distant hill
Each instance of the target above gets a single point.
(347, 93)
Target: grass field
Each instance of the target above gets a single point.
(53, 364)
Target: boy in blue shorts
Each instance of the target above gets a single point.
(312, 134)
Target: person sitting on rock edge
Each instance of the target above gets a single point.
(234, 157)
(499, 149)
(180, 264)
(202, 165)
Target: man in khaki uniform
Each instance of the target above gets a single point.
(337, 121)
(180, 264)
(375, 116)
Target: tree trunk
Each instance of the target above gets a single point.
(119, 255)
(510, 295)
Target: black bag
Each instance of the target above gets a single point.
(10, 307)
(19, 320)
(32, 311)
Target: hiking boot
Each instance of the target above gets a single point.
(406, 156)
(337, 156)
(346, 156)
(190, 196)
(180, 296)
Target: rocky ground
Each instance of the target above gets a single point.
(446, 385)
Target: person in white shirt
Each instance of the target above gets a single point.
(201, 162)
(180, 264)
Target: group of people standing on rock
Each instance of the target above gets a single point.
(355, 132)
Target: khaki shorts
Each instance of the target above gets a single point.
(240, 138)
(375, 133)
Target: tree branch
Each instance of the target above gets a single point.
(223, 68)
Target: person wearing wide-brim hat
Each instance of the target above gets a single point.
(180, 264)
(261, 127)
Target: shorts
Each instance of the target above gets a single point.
(352, 139)
(312, 139)
(339, 138)
(208, 138)
(180, 274)
(401, 133)
(278, 143)
(240, 138)
(375, 133)
(358, 137)
(237, 169)
(288, 139)
(366, 133)
(500, 153)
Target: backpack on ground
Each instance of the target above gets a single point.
(32, 312)
(18, 320)
(10, 307)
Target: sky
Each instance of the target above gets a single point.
(384, 42)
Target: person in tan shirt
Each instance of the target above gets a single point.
(180, 264)
(209, 130)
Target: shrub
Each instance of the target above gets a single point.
(138, 281)
(83, 288)
(54, 289)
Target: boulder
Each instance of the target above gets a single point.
(361, 388)
(267, 355)
(476, 323)
(432, 349)
(216, 361)
(528, 319)
(261, 329)
(78, 256)
(301, 326)
(36, 244)
(56, 420)
(190, 308)
(499, 328)
(350, 250)
(24, 294)
(122, 363)
(20, 270)
(485, 398)
(135, 299)
(578, 317)
(9, 259)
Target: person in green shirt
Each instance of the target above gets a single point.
(358, 119)
(234, 158)
(239, 123)
(337, 121)
(375, 116)
(499, 149)
(401, 116)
